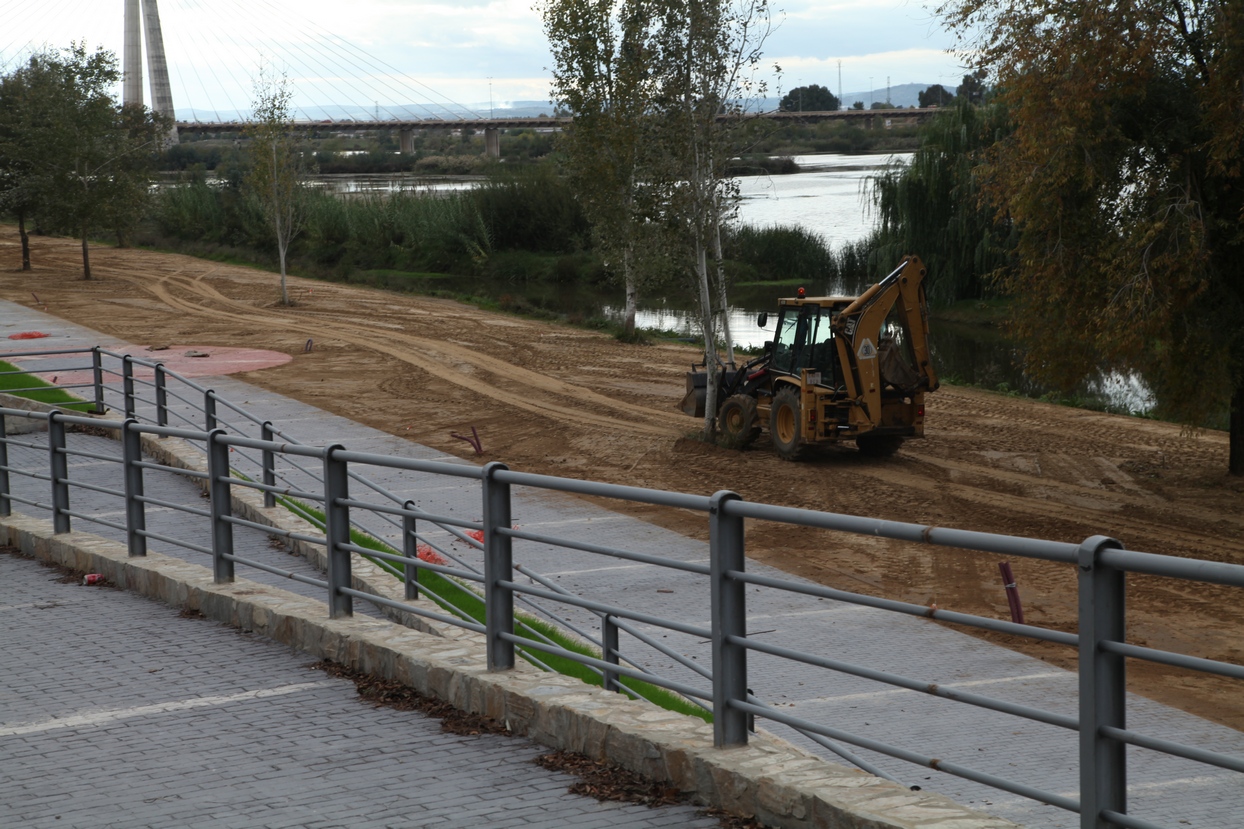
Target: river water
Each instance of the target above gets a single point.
(829, 197)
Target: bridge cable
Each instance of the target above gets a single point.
(244, 88)
(340, 44)
(31, 11)
(179, 38)
(328, 43)
(319, 67)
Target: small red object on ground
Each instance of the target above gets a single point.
(28, 335)
(92, 578)
(429, 555)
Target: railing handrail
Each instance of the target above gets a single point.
(1101, 564)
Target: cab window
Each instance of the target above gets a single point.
(796, 333)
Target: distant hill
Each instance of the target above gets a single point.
(903, 95)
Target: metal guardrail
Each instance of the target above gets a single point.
(345, 495)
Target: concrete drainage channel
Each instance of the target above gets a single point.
(778, 783)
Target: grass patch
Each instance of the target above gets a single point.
(20, 384)
(461, 601)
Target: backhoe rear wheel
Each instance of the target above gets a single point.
(786, 424)
(737, 424)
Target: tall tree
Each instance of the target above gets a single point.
(70, 151)
(277, 171)
(705, 54)
(811, 98)
(1123, 176)
(601, 76)
(23, 173)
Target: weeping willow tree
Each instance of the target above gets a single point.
(933, 206)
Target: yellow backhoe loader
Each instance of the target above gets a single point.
(838, 369)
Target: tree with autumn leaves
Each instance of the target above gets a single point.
(1122, 176)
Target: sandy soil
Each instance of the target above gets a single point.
(554, 399)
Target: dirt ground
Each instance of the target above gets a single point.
(559, 400)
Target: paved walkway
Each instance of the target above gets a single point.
(1163, 790)
(116, 712)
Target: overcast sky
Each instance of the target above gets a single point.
(399, 50)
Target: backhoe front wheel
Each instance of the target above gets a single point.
(737, 423)
(786, 425)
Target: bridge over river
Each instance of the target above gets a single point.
(492, 127)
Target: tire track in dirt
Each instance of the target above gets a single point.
(429, 355)
(1062, 512)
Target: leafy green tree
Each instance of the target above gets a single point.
(277, 172)
(602, 77)
(647, 82)
(705, 54)
(24, 167)
(857, 105)
(811, 98)
(77, 158)
(1123, 177)
(935, 96)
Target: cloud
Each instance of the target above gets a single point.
(369, 50)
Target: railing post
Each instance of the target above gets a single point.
(209, 410)
(410, 549)
(267, 433)
(161, 396)
(609, 652)
(219, 490)
(6, 506)
(135, 511)
(1103, 761)
(58, 464)
(127, 384)
(729, 619)
(337, 532)
(97, 368)
(498, 567)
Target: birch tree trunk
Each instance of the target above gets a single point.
(722, 302)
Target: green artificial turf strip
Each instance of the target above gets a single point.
(463, 602)
(20, 384)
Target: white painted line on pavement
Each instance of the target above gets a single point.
(599, 519)
(972, 683)
(103, 717)
(842, 608)
(597, 570)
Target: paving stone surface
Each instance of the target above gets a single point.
(116, 712)
(1163, 790)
